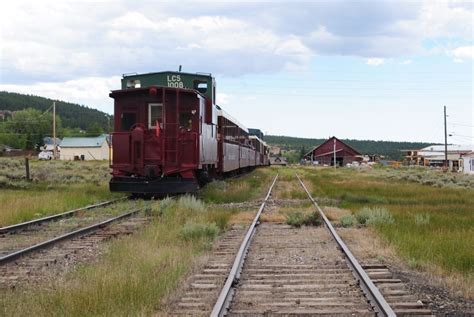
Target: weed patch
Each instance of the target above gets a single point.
(347, 221)
(374, 216)
(297, 219)
(196, 231)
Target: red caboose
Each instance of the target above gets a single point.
(165, 133)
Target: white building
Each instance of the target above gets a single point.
(434, 155)
(467, 163)
(87, 148)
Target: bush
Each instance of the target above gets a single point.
(164, 207)
(422, 219)
(347, 221)
(313, 219)
(196, 231)
(374, 216)
(190, 203)
(363, 215)
(297, 219)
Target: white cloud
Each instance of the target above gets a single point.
(375, 61)
(462, 53)
(406, 62)
(60, 41)
(90, 91)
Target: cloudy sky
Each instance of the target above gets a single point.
(355, 69)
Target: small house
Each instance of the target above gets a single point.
(85, 148)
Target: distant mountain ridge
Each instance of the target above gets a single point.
(72, 115)
(389, 149)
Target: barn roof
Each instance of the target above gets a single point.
(69, 142)
(328, 140)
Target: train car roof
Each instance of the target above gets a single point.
(260, 140)
(143, 89)
(224, 114)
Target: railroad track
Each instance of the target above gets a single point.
(37, 222)
(24, 251)
(280, 270)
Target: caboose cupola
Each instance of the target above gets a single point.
(203, 83)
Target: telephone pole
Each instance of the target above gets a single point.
(446, 164)
(54, 130)
(334, 152)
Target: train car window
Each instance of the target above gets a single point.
(186, 120)
(200, 86)
(155, 112)
(133, 83)
(127, 120)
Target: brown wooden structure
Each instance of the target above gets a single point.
(324, 153)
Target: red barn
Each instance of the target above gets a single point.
(324, 153)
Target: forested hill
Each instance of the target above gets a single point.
(72, 115)
(390, 149)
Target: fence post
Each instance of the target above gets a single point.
(27, 168)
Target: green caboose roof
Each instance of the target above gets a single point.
(204, 83)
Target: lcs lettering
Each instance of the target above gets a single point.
(175, 81)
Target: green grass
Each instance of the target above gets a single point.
(244, 188)
(443, 237)
(56, 186)
(136, 273)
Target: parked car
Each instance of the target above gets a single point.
(45, 155)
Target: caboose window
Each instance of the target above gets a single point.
(155, 112)
(200, 86)
(127, 120)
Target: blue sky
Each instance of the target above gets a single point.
(355, 69)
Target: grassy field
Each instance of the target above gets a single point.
(432, 228)
(56, 186)
(138, 272)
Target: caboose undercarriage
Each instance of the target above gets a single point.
(161, 186)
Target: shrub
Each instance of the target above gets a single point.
(422, 219)
(295, 219)
(380, 216)
(190, 203)
(374, 216)
(196, 231)
(164, 207)
(313, 219)
(347, 221)
(362, 215)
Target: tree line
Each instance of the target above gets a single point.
(28, 119)
(391, 150)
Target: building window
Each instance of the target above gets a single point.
(155, 113)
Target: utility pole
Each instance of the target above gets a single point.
(446, 163)
(54, 130)
(334, 152)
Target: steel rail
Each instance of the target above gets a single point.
(376, 299)
(227, 292)
(65, 214)
(12, 256)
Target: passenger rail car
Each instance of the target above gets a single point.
(170, 136)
